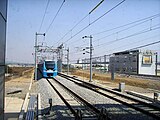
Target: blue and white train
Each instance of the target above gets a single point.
(48, 68)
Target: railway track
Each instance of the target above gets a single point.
(144, 106)
(84, 109)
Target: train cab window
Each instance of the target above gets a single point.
(50, 64)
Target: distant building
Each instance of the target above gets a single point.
(134, 62)
(75, 65)
(79, 61)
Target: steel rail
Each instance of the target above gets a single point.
(111, 91)
(94, 109)
(78, 97)
(63, 99)
(92, 86)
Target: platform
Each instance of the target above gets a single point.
(12, 107)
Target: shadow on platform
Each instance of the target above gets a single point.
(11, 116)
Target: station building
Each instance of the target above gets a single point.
(134, 62)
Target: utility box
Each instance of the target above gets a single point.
(122, 87)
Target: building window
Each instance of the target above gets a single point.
(134, 60)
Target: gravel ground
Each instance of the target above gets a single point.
(115, 110)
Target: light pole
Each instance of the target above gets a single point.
(130, 66)
(156, 61)
(36, 48)
(67, 61)
(91, 48)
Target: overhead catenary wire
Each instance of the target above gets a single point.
(128, 34)
(95, 21)
(54, 17)
(96, 6)
(150, 17)
(141, 32)
(153, 43)
(132, 35)
(129, 44)
(143, 21)
(142, 46)
(118, 47)
(124, 29)
(73, 27)
(44, 15)
(81, 20)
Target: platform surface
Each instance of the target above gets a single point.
(12, 107)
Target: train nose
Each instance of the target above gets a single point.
(49, 74)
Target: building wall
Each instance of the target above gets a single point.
(134, 62)
(124, 63)
(3, 20)
(149, 66)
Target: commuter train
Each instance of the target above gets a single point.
(48, 68)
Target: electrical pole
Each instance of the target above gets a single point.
(90, 58)
(67, 61)
(60, 57)
(91, 48)
(36, 57)
(36, 48)
(105, 63)
(156, 62)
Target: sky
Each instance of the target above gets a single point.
(25, 18)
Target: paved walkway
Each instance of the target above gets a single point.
(12, 107)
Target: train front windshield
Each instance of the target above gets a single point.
(50, 65)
